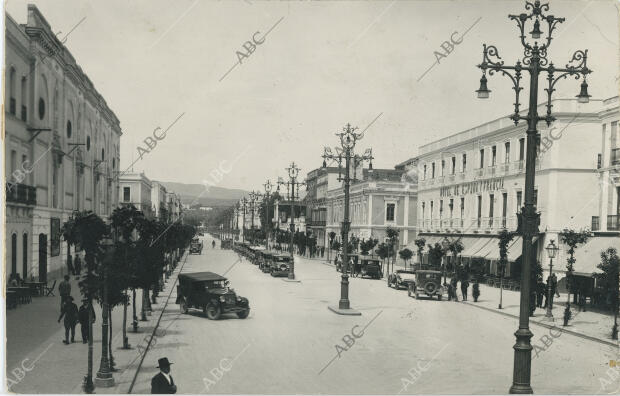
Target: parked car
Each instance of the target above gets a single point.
(427, 282)
(401, 278)
(280, 265)
(210, 292)
(195, 246)
(265, 261)
(369, 266)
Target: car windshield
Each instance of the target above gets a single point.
(216, 285)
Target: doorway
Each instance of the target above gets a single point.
(42, 258)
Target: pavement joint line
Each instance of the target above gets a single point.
(542, 324)
(135, 377)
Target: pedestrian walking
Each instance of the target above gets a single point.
(163, 383)
(70, 265)
(454, 284)
(83, 319)
(213, 244)
(540, 292)
(464, 287)
(546, 286)
(77, 264)
(65, 291)
(70, 312)
(476, 291)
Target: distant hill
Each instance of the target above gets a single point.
(196, 194)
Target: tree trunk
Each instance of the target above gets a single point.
(125, 343)
(88, 381)
(135, 314)
(112, 364)
(143, 310)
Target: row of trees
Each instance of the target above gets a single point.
(129, 253)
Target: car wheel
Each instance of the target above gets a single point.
(183, 306)
(212, 311)
(243, 314)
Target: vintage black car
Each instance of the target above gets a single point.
(280, 264)
(210, 292)
(370, 266)
(427, 282)
(401, 278)
(195, 246)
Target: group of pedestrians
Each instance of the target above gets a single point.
(453, 287)
(71, 314)
(542, 291)
(74, 267)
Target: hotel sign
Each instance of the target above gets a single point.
(472, 187)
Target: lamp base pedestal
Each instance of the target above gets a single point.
(344, 311)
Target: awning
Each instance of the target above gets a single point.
(588, 256)
(477, 246)
(515, 247)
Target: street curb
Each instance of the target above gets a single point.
(542, 324)
(135, 377)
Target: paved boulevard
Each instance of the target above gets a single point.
(409, 346)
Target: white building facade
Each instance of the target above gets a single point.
(471, 184)
(61, 147)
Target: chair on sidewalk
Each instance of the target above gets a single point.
(50, 290)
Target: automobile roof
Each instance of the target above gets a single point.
(201, 276)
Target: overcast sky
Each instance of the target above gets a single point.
(323, 64)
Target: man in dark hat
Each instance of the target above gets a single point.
(70, 313)
(163, 382)
(83, 318)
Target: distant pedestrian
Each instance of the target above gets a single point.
(476, 291)
(70, 312)
(540, 292)
(70, 267)
(77, 264)
(450, 291)
(213, 244)
(163, 383)
(546, 286)
(464, 287)
(65, 290)
(454, 284)
(83, 319)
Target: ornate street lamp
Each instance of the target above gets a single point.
(104, 378)
(534, 61)
(552, 251)
(348, 139)
(293, 173)
(268, 188)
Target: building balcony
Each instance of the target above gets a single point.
(317, 223)
(596, 223)
(21, 193)
(613, 222)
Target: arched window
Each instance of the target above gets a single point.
(24, 93)
(41, 108)
(14, 253)
(12, 100)
(25, 256)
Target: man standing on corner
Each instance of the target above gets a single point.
(65, 291)
(163, 383)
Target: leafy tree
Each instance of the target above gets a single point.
(87, 230)
(610, 265)
(392, 237)
(367, 245)
(435, 254)
(455, 247)
(405, 254)
(571, 238)
(383, 251)
(420, 243)
(505, 237)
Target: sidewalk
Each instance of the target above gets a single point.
(38, 360)
(592, 325)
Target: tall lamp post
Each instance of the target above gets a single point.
(104, 378)
(534, 61)
(293, 173)
(244, 202)
(552, 250)
(348, 139)
(445, 244)
(254, 196)
(268, 187)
